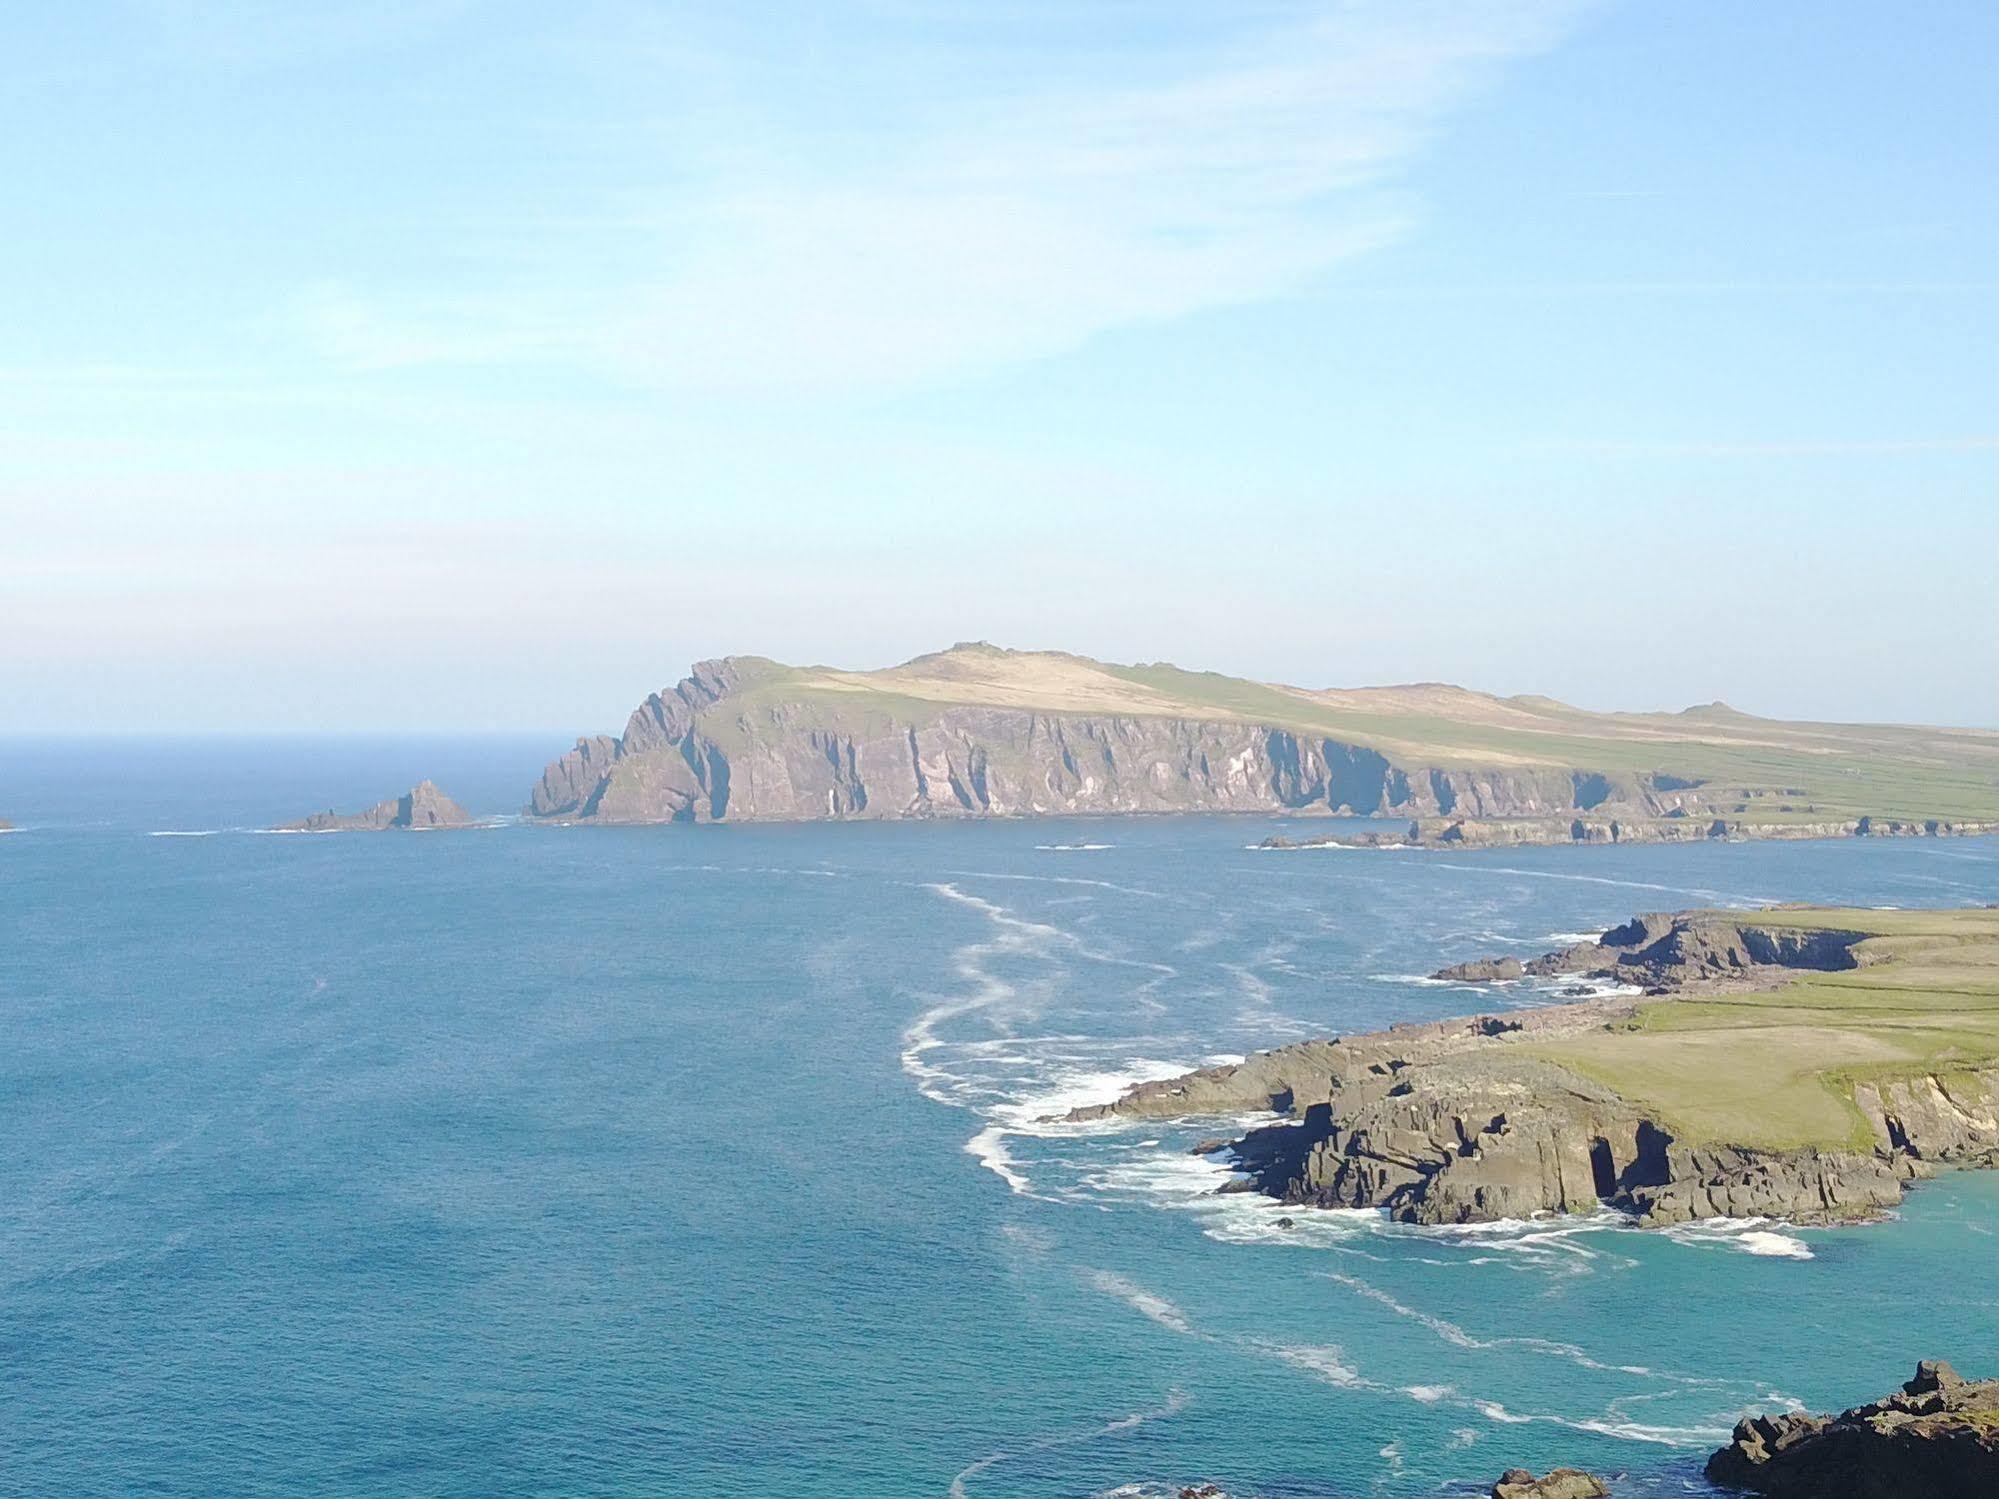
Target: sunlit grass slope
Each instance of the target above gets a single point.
(1779, 770)
(1777, 1069)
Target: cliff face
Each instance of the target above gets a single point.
(706, 751)
(978, 731)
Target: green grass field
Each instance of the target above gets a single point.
(1777, 1069)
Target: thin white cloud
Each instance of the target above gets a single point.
(995, 230)
(1802, 448)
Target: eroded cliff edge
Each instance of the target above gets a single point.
(1791, 1063)
(980, 731)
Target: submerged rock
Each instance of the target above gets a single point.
(1561, 1483)
(422, 806)
(1936, 1438)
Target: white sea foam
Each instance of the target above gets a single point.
(1072, 848)
(1153, 1307)
(1763, 1237)
(1450, 1332)
(1428, 1394)
(988, 1147)
(1323, 1361)
(1176, 1401)
(1333, 848)
(187, 833)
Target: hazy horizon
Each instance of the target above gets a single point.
(455, 367)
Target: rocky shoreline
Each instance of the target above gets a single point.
(1935, 1438)
(1559, 832)
(1480, 1118)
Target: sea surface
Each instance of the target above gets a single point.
(710, 1161)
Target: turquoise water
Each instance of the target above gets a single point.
(705, 1161)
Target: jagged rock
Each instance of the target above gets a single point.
(1937, 1438)
(1678, 951)
(1483, 971)
(1561, 1483)
(422, 806)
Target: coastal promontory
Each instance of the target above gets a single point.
(1935, 1438)
(423, 806)
(1794, 1063)
(979, 731)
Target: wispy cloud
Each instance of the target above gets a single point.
(1001, 228)
(1800, 448)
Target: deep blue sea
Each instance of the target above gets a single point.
(707, 1161)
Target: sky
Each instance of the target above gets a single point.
(438, 365)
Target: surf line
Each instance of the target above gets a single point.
(1176, 1401)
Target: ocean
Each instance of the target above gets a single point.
(712, 1161)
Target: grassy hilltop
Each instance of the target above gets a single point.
(1777, 1069)
(1768, 769)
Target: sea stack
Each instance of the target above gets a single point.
(422, 806)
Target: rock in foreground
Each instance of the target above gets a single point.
(1937, 1438)
(422, 806)
(1562, 1483)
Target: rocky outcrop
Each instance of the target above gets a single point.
(1936, 1438)
(1681, 951)
(1460, 1121)
(1562, 1483)
(423, 806)
(1509, 832)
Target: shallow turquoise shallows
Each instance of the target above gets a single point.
(710, 1161)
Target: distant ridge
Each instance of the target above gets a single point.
(979, 730)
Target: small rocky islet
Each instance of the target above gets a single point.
(1775, 1064)
(422, 807)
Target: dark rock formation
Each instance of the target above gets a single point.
(1937, 1438)
(422, 806)
(1674, 826)
(1562, 1483)
(1679, 951)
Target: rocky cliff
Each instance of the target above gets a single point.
(1494, 1116)
(1935, 1438)
(422, 806)
(978, 731)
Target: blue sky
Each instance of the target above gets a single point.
(438, 365)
